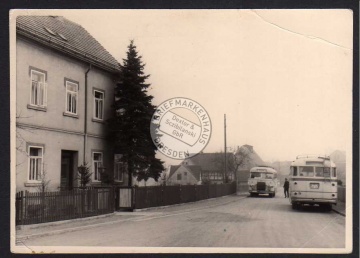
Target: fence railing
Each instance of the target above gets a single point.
(155, 196)
(33, 208)
(40, 207)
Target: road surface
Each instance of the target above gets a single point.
(231, 221)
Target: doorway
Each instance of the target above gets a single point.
(68, 169)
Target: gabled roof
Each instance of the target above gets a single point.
(207, 161)
(68, 37)
(173, 169)
(213, 162)
(193, 169)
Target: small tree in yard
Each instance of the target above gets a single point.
(44, 182)
(84, 175)
(130, 125)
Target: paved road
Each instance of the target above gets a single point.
(232, 221)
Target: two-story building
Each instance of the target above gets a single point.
(65, 82)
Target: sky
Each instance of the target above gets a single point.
(282, 77)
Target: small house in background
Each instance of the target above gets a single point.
(184, 175)
(212, 166)
(206, 168)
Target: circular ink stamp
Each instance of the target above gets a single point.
(180, 128)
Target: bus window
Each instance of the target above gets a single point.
(255, 174)
(326, 172)
(306, 171)
(333, 170)
(319, 171)
(268, 175)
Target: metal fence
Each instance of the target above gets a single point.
(32, 208)
(155, 196)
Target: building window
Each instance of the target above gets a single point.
(38, 89)
(178, 176)
(98, 104)
(71, 97)
(97, 160)
(119, 168)
(35, 163)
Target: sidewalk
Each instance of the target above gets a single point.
(340, 208)
(58, 227)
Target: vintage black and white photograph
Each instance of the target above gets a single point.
(181, 131)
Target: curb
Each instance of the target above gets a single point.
(181, 204)
(66, 230)
(55, 223)
(339, 212)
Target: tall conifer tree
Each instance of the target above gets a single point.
(130, 126)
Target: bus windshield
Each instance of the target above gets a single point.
(262, 175)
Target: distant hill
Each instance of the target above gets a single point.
(339, 158)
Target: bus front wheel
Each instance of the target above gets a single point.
(294, 206)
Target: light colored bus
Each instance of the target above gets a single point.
(313, 181)
(263, 180)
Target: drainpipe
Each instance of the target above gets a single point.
(86, 111)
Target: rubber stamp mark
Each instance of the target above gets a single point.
(180, 128)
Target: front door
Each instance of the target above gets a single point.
(67, 170)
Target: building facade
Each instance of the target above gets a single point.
(64, 91)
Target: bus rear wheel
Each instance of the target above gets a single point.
(294, 205)
(326, 207)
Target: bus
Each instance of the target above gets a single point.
(263, 180)
(313, 181)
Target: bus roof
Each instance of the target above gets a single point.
(263, 169)
(308, 160)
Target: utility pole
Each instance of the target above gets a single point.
(225, 172)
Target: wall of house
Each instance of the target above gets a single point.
(50, 127)
(185, 179)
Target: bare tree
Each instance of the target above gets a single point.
(20, 140)
(241, 159)
(164, 178)
(43, 181)
(234, 160)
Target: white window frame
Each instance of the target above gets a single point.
(119, 168)
(73, 106)
(40, 88)
(34, 176)
(98, 101)
(96, 164)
